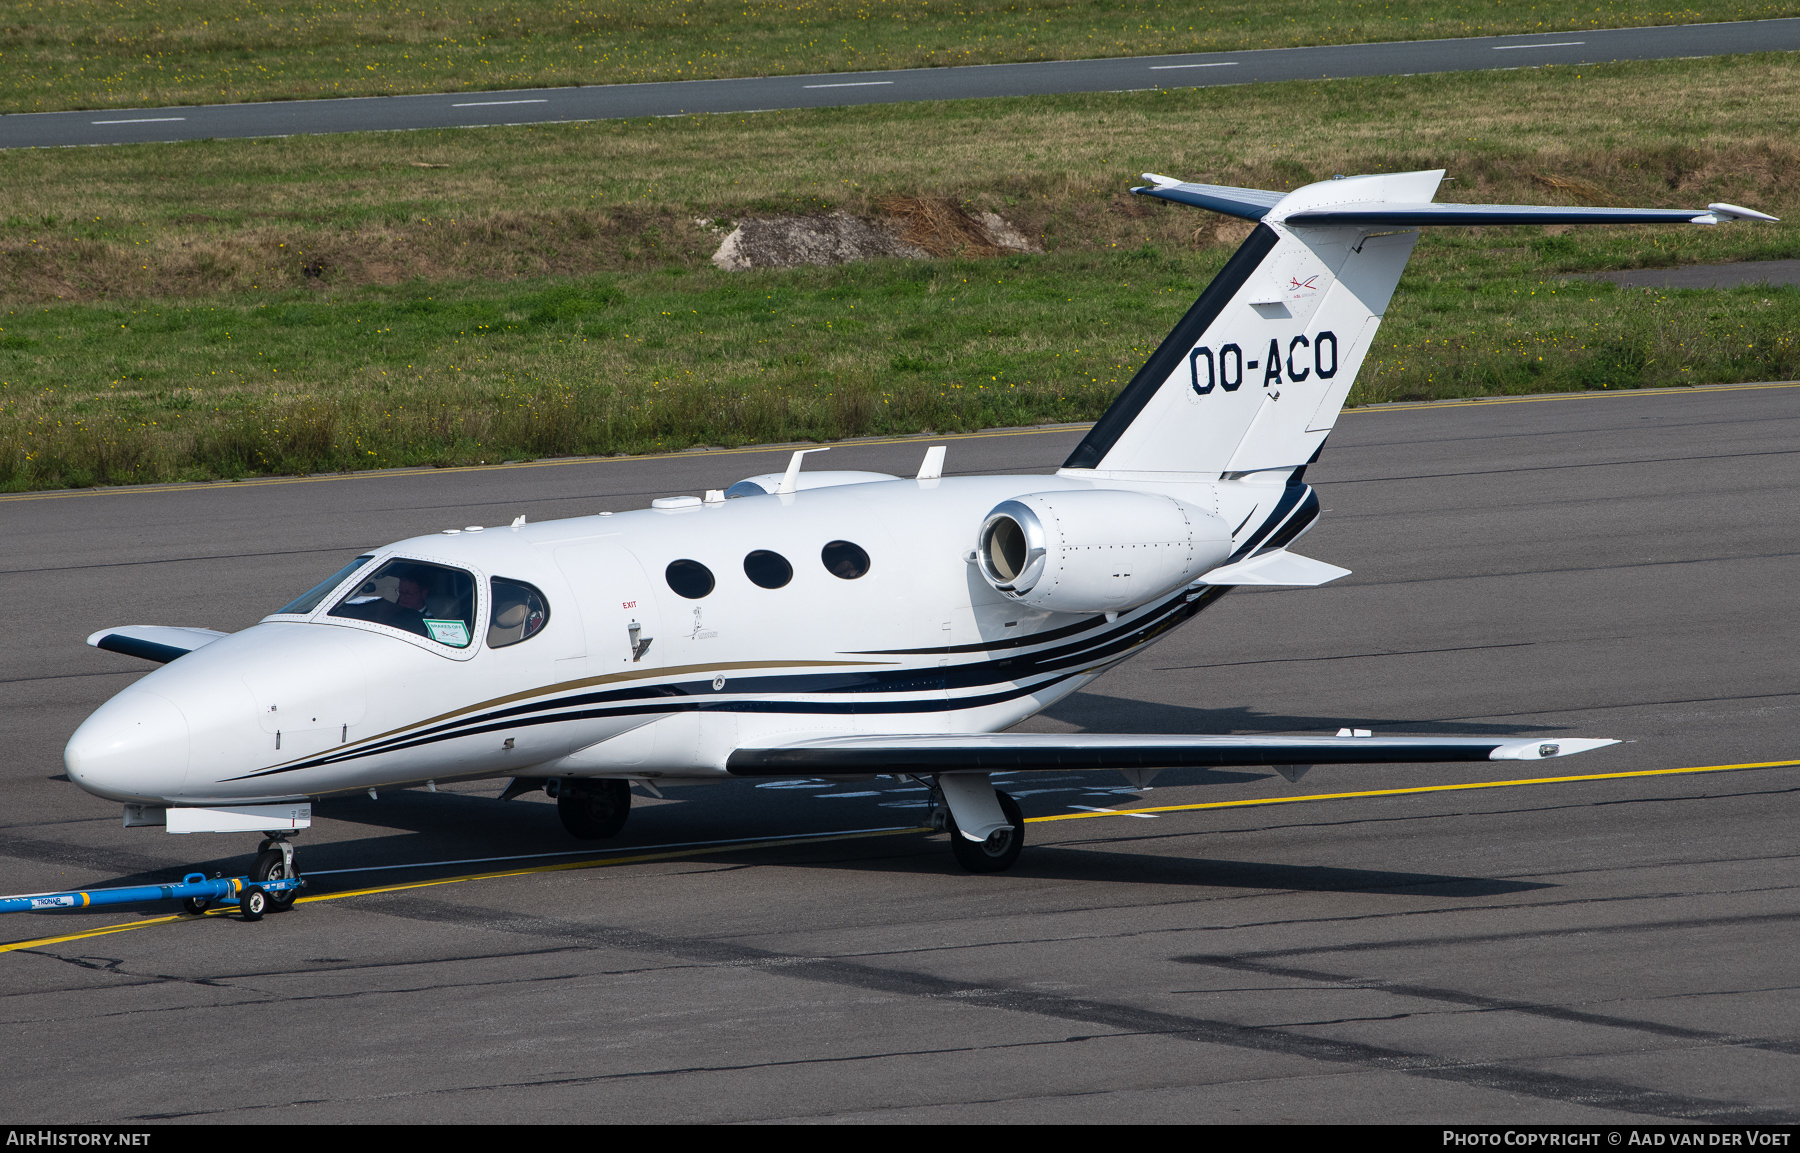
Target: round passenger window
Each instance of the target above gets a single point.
(519, 612)
(690, 578)
(843, 559)
(768, 569)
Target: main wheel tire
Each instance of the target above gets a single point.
(253, 903)
(593, 810)
(999, 851)
(272, 866)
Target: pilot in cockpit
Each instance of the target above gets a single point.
(407, 608)
(426, 599)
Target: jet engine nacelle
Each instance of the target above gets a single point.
(1097, 550)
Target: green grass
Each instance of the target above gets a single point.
(666, 360)
(93, 54)
(548, 291)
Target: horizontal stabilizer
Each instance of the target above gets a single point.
(1248, 203)
(1018, 752)
(1414, 215)
(159, 643)
(1276, 567)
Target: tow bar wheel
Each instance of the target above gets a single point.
(253, 903)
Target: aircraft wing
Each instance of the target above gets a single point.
(159, 643)
(1020, 752)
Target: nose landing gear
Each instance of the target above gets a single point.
(274, 862)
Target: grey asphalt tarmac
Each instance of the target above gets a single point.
(1769, 272)
(1606, 951)
(1130, 73)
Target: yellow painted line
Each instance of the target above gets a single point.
(1403, 792)
(563, 867)
(676, 854)
(403, 473)
(1482, 401)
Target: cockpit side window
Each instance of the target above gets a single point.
(428, 599)
(520, 612)
(309, 600)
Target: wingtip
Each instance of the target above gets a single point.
(1732, 211)
(1543, 750)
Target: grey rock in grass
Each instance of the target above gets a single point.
(790, 241)
(838, 238)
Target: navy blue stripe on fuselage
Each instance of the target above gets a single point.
(1291, 498)
(928, 679)
(1043, 669)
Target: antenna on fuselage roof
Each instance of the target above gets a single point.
(790, 481)
(932, 467)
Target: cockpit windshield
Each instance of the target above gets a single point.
(429, 599)
(309, 600)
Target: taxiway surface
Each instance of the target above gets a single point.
(1610, 950)
(766, 93)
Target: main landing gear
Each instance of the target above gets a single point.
(593, 810)
(996, 825)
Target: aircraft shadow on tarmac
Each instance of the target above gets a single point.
(1042, 862)
(480, 827)
(1094, 712)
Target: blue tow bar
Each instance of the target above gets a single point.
(196, 889)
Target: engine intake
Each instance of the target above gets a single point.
(1097, 550)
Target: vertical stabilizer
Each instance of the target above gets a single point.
(1253, 377)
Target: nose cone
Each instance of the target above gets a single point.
(134, 748)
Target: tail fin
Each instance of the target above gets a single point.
(1253, 377)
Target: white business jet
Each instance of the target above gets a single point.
(823, 624)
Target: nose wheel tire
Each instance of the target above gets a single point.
(593, 810)
(272, 865)
(999, 851)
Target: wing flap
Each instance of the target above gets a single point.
(159, 643)
(1021, 752)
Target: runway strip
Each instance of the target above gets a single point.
(769, 93)
(1036, 430)
(713, 848)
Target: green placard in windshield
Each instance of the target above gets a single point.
(454, 633)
